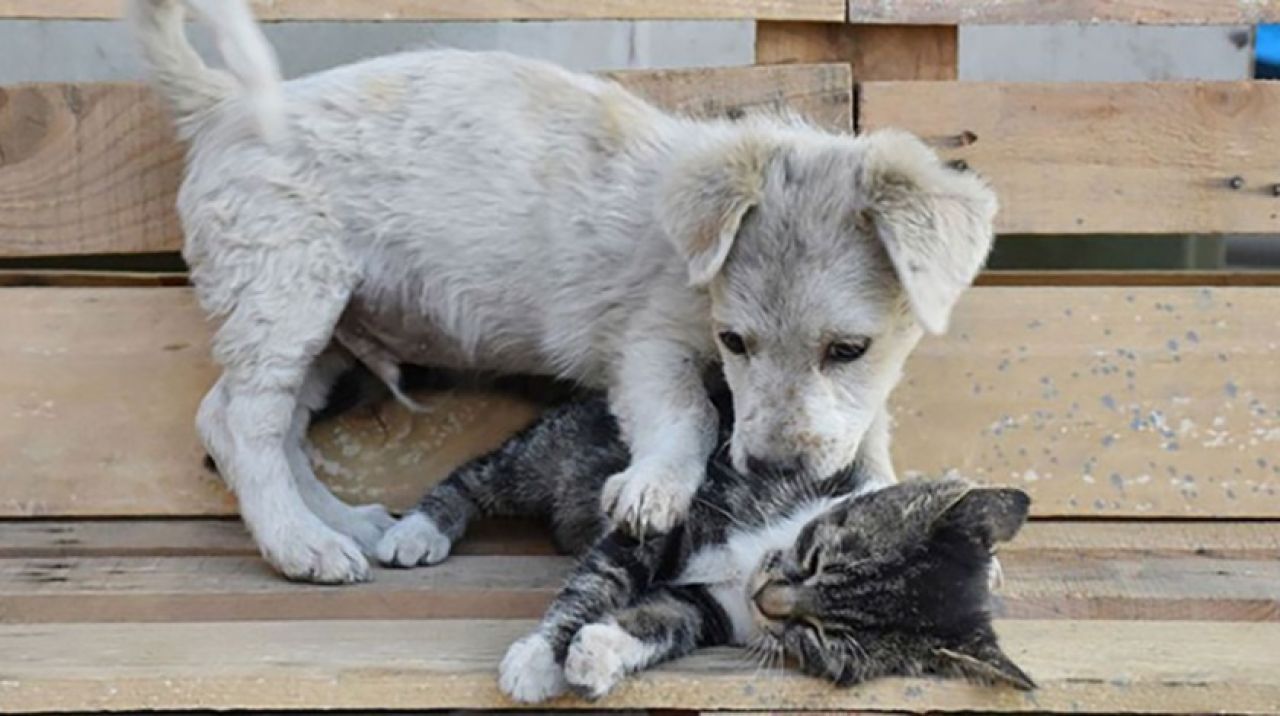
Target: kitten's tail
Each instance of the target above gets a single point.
(190, 86)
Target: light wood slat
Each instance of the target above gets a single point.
(1087, 12)
(46, 539)
(157, 589)
(1148, 402)
(874, 52)
(161, 589)
(388, 10)
(1087, 667)
(1106, 403)
(1087, 158)
(228, 537)
(98, 399)
(93, 168)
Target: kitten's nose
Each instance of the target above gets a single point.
(777, 601)
(774, 466)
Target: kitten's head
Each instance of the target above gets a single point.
(893, 583)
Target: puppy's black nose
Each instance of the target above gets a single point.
(774, 466)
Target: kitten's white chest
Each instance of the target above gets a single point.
(727, 568)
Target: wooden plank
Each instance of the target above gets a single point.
(51, 539)
(1108, 403)
(86, 168)
(55, 539)
(93, 168)
(1001, 277)
(1080, 12)
(1144, 401)
(99, 394)
(1086, 667)
(391, 10)
(161, 589)
(1129, 278)
(821, 92)
(1089, 158)
(874, 52)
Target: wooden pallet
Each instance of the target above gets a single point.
(1140, 410)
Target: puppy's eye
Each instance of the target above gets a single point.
(733, 343)
(847, 351)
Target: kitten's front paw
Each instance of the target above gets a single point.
(412, 541)
(597, 658)
(529, 672)
(645, 500)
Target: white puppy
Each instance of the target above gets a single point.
(485, 211)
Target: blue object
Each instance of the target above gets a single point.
(1268, 44)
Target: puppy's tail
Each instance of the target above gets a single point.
(191, 87)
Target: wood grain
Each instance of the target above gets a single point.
(157, 589)
(389, 10)
(94, 168)
(1081, 666)
(1076, 12)
(1088, 158)
(86, 169)
(220, 537)
(874, 52)
(1127, 540)
(98, 398)
(1143, 401)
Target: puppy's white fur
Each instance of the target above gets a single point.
(485, 211)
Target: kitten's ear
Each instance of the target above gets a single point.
(984, 663)
(705, 198)
(993, 514)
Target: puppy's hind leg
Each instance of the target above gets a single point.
(266, 346)
(363, 523)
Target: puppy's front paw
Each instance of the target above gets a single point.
(529, 672)
(645, 500)
(597, 658)
(311, 552)
(412, 541)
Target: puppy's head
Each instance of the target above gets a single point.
(825, 257)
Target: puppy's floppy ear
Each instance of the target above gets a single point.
(705, 198)
(935, 222)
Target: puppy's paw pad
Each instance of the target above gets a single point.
(646, 501)
(529, 672)
(596, 663)
(412, 541)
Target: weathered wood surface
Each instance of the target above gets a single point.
(98, 398)
(1155, 402)
(1088, 158)
(1079, 12)
(93, 168)
(154, 589)
(227, 537)
(223, 537)
(1081, 666)
(389, 10)
(874, 52)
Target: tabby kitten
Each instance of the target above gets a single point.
(847, 582)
